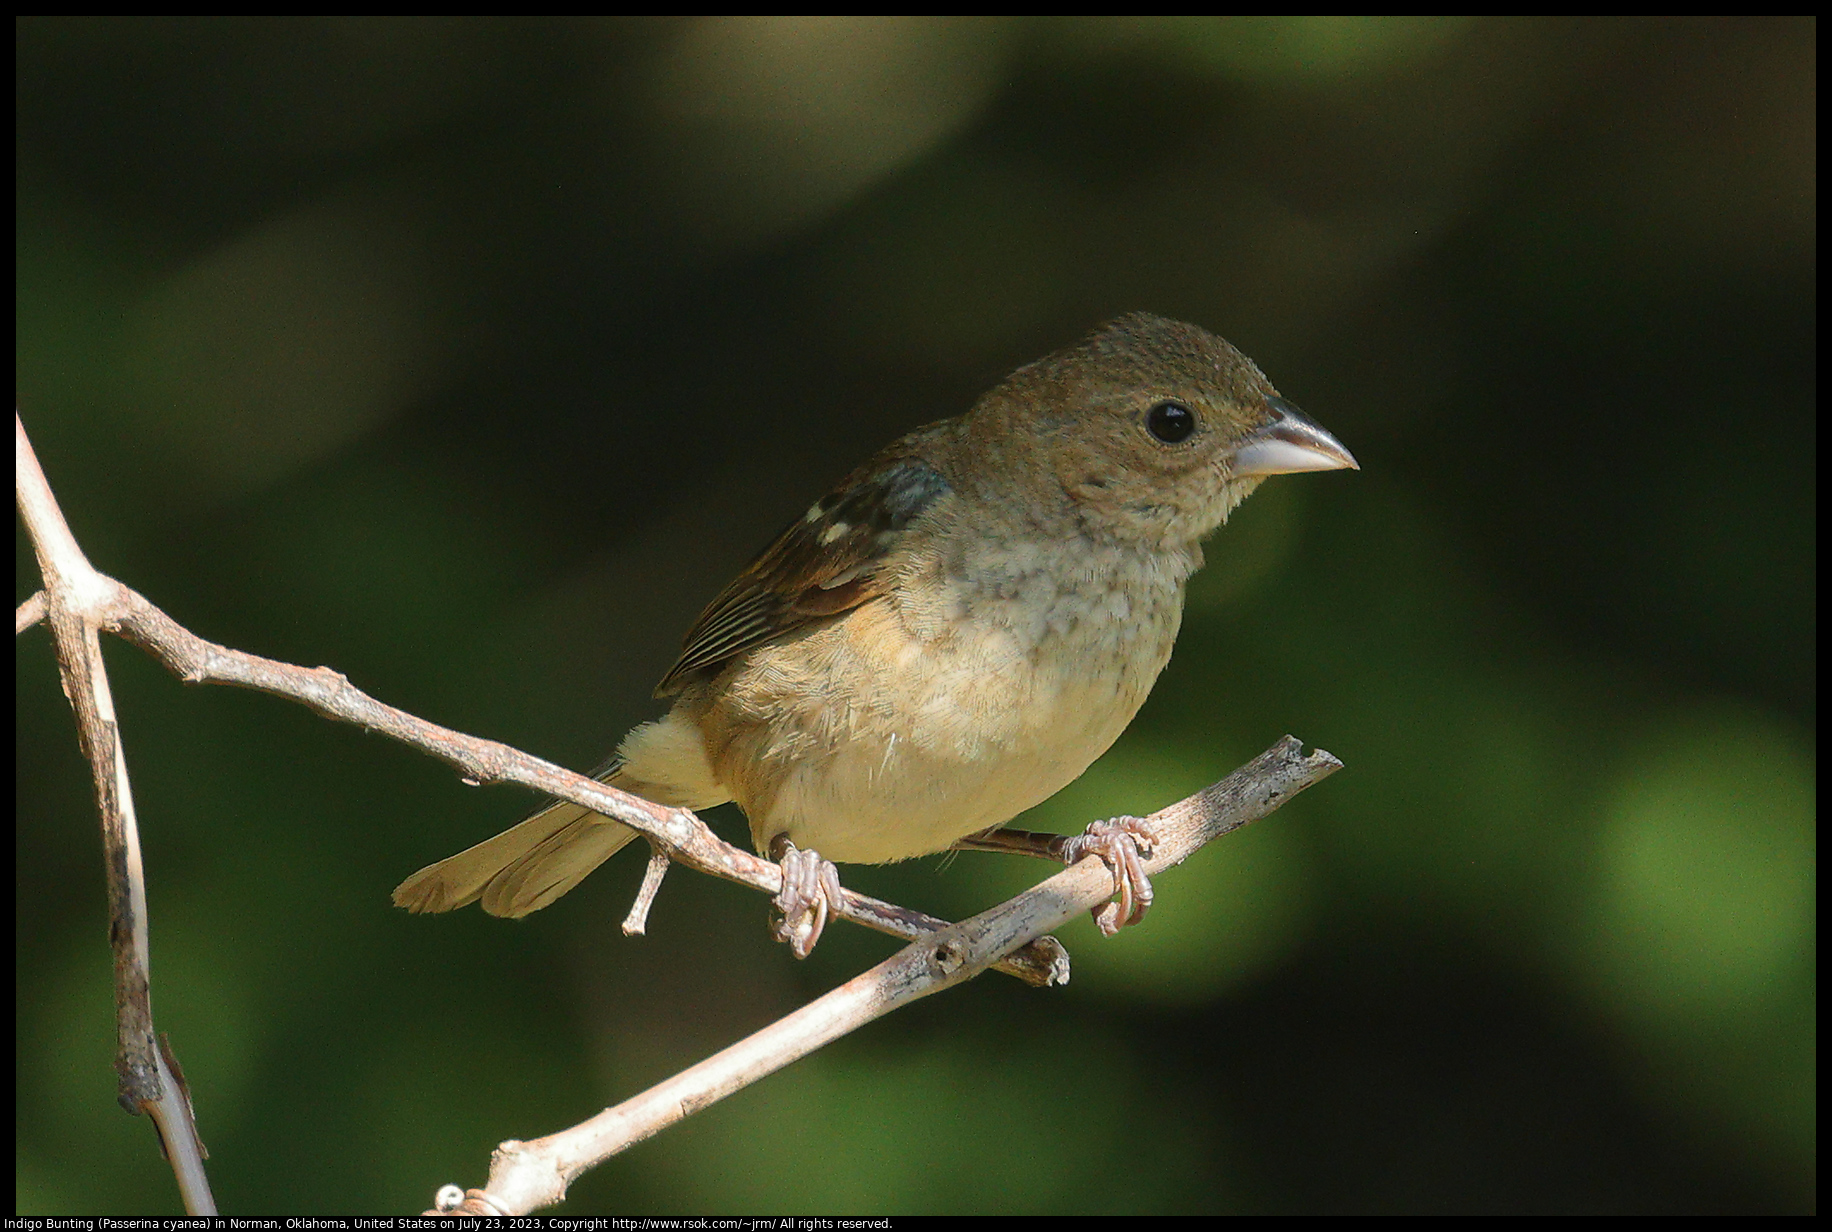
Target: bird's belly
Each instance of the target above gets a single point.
(938, 742)
(875, 805)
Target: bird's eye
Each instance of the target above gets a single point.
(1170, 422)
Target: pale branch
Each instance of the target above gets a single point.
(30, 613)
(637, 922)
(678, 832)
(147, 1074)
(525, 1176)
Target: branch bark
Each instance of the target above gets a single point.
(525, 1176)
(75, 599)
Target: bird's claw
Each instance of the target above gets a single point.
(810, 892)
(1123, 843)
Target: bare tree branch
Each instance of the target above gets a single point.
(637, 921)
(30, 613)
(525, 1176)
(678, 832)
(76, 598)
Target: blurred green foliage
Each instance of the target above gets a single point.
(471, 356)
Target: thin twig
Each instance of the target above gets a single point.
(525, 1176)
(638, 919)
(30, 613)
(74, 598)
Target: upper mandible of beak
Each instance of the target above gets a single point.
(1291, 443)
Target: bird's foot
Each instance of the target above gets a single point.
(1123, 843)
(810, 892)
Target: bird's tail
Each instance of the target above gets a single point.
(529, 865)
(522, 869)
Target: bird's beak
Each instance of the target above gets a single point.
(1291, 443)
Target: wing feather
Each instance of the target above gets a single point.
(822, 564)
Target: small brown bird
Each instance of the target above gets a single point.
(947, 638)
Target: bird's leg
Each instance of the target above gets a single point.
(1122, 843)
(810, 890)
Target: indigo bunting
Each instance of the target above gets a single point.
(947, 638)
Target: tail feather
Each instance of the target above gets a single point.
(529, 865)
(559, 863)
(522, 869)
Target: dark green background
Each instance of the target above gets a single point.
(471, 357)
